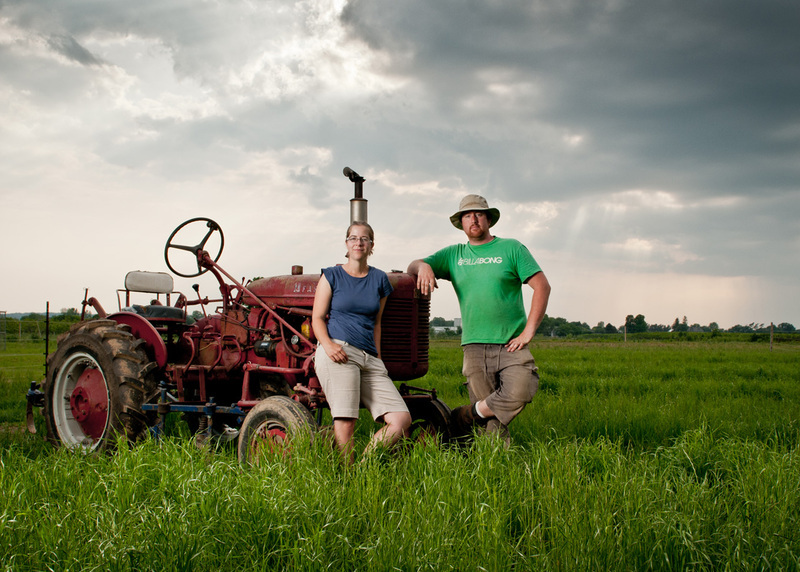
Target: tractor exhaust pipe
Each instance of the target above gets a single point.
(358, 204)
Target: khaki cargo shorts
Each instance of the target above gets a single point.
(362, 380)
(506, 380)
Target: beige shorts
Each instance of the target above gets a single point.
(362, 380)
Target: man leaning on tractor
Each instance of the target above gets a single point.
(487, 274)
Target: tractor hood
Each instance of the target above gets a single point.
(288, 290)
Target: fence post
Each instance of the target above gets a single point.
(771, 330)
(46, 336)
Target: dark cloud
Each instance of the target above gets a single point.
(69, 48)
(656, 87)
(665, 134)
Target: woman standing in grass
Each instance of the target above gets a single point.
(346, 318)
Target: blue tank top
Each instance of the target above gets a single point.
(355, 305)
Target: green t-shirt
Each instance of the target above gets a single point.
(488, 281)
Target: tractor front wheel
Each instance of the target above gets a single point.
(269, 427)
(96, 383)
(430, 420)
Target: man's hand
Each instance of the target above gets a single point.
(426, 281)
(520, 342)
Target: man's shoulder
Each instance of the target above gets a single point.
(448, 250)
(502, 241)
(511, 245)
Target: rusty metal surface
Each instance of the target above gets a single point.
(287, 290)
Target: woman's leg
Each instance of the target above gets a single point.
(384, 402)
(343, 430)
(340, 382)
(397, 424)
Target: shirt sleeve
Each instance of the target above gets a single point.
(385, 287)
(439, 261)
(330, 276)
(526, 264)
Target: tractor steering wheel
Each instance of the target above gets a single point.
(213, 230)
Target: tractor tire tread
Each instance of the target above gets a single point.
(127, 373)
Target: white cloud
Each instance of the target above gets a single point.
(625, 201)
(634, 161)
(648, 250)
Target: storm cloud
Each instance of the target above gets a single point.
(646, 152)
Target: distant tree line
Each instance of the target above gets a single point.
(560, 327)
(31, 326)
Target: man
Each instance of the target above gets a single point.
(487, 274)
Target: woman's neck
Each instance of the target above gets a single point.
(357, 268)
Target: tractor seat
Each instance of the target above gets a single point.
(157, 312)
(152, 283)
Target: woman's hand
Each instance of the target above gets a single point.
(335, 352)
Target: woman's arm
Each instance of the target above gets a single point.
(322, 305)
(378, 326)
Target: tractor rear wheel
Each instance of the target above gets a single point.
(96, 383)
(269, 427)
(430, 420)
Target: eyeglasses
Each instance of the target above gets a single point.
(361, 239)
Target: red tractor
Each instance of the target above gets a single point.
(244, 369)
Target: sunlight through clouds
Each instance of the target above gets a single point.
(602, 136)
(651, 249)
(536, 216)
(625, 201)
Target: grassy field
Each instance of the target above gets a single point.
(639, 455)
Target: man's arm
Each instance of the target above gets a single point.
(541, 294)
(426, 281)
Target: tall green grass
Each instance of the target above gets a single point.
(631, 456)
(703, 503)
(648, 394)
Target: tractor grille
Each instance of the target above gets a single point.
(405, 337)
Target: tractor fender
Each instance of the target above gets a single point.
(143, 329)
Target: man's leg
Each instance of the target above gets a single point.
(518, 382)
(481, 382)
(500, 383)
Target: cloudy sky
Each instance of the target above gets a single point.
(648, 153)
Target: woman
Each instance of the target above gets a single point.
(348, 361)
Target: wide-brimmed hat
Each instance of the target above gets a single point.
(474, 203)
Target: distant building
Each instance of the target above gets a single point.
(444, 329)
(449, 327)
